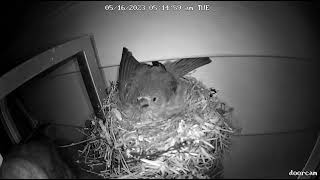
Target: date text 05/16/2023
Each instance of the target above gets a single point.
(200, 7)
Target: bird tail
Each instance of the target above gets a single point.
(183, 66)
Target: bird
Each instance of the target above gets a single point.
(154, 91)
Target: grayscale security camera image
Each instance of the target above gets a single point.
(160, 89)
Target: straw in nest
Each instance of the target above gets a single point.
(190, 145)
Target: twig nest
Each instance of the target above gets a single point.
(188, 145)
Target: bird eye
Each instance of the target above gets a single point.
(154, 99)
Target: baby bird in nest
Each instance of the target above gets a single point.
(158, 90)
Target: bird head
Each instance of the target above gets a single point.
(154, 87)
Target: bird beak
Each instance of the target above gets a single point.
(144, 102)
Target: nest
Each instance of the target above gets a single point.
(189, 145)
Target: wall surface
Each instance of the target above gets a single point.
(264, 65)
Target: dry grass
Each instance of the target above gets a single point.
(189, 145)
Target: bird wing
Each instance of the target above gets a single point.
(128, 65)
(183, 66)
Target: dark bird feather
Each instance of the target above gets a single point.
(183, 66)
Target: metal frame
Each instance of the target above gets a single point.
(83, 49)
